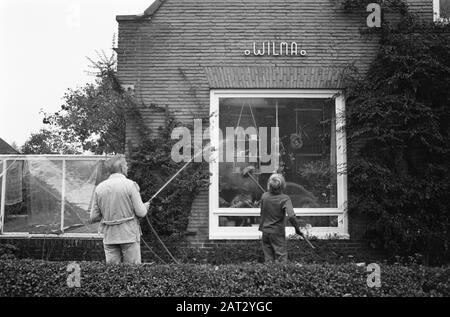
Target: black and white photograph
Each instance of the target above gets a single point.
(224, 156)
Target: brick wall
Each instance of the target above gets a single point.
(184, 48)
(195, 251)
(57, 249)
(166, 56)
(423, 8)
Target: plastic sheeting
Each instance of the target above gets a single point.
(44, 184)
(1, 181)
(80, 182)
(14, 183)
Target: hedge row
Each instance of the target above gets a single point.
(40, 278)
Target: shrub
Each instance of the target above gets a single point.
(398, 141)
(151, 166)
(39, 278)
(8, 251)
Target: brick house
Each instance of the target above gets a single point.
(254, 64)
(272, 68)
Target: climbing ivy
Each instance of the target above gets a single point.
(152, 166)
(398, 140)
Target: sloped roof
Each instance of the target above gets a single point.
(5, 148)
(421, 7)
(151, 10)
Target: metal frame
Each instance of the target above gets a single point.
(3, 194)
(63, 158)
(216, 232)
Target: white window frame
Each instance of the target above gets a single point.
(436, 10)
(216, 232)
(63, 158)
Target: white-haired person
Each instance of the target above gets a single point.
(118, 205)
(274, 207)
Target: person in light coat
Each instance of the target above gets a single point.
(118, 206)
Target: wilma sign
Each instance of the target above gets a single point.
(275, 49)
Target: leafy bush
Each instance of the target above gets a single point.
(38, 278)
(399, 141)
(8, 251)
(152, 166)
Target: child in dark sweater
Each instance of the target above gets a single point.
(274, 207)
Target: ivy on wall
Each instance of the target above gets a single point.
(152, 166)
(398, 140)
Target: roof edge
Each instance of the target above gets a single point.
(120, 18)
(151, 10)
(7, 148)
(153, 7)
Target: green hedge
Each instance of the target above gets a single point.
(39, 278)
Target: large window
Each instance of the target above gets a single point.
(48, 194)
(441, 10)
(297, 133)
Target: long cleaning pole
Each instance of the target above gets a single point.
(160, 190)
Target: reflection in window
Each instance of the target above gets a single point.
(239, 221)
(306, 148)
(253, 221)
(316, 221)
(442, 10)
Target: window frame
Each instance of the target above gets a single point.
(216, 232)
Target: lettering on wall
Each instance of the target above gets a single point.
(275, 49)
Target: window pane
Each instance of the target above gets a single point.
(33, 196)
(81, 180)
(308, 151)
(253, 221)
(306, 144)
(444, 7)
(239, 221)
(239, 152)
(316, 221)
